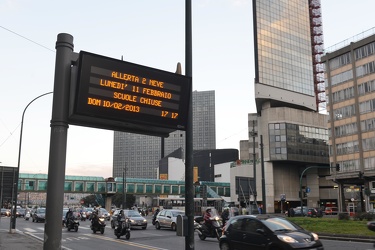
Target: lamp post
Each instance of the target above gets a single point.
(124, 188)
(15, 184)
(253, 134)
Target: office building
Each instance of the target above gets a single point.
(350, 82)
(289, 84)
(140, 154)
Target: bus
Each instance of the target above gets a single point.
(200, 204)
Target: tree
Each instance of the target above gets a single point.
(117, 200)
(89, 200)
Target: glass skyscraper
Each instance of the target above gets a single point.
(140, 154)
(294, 135)
(283, 54)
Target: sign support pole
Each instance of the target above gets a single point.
(58, 142)
(189, 187)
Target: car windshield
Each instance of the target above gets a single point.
(277, 224)
(41, 210)
(176, 213)
(133, 213)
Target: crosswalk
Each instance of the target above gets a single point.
(41, 229)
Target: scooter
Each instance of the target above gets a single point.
(123, 228)
(72, 223)
(98, 224)
(215, 231)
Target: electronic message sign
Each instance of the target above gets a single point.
(113, 94)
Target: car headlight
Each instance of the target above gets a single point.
(287, 239)
(316, 237)
(132, 221)
(144, 220)
(101, 219)
(217, 218)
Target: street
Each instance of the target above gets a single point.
(150, 238)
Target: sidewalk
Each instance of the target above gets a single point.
(18, 240)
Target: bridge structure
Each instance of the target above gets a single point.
(108, 186)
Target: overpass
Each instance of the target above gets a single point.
(136, 186)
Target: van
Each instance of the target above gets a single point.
(331, 210)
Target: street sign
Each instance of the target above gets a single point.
(117, 95)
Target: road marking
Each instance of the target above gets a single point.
(30, 230)
(129, 243)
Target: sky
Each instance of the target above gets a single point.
(145, 32)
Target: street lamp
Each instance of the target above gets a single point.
(15, 184)
(124, 188)
(253, 134)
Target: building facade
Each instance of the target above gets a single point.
(140, 154)
(350, 82)
(288, 138)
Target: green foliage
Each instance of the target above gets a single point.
(118, 197)
(343, 216)
(333, 225)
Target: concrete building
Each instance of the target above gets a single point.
(287, 128)
(140, 154)
(350, 82)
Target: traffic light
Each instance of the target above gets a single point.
(337, 167)
(304, 194)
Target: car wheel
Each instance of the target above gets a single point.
(173, 227)
(224, 246)
(157, 225)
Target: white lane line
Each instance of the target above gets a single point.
(29, 230)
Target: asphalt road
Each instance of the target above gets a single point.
(150, 238)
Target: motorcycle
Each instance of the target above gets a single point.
(98, 224)
(72, 223)
(83, 216)
(154, 217)
(204, 231)
(123, 228)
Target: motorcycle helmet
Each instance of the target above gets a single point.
(208, 210)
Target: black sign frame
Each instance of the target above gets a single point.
(104, 95)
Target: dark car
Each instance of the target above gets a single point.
(299, 212)
(21, 212)
(266, 232)
(314, 212)
(39, 215)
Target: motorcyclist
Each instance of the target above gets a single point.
(154, 216)
(207, 219)
(94, 217)
(120, 217)
(225, 215)
(68, 216)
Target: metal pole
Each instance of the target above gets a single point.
(254, 165)
(189, 187)
(58, 142)
(264, 210)
(14, 209)
(124, 188)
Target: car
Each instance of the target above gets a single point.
(136, 220)
(21, 212)
(89, 212)
(39, 214)
(314, 212)
(166, 218)
(298, 212)
(104, 213)
(265, 231)
(331, 210)
(5, 212)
